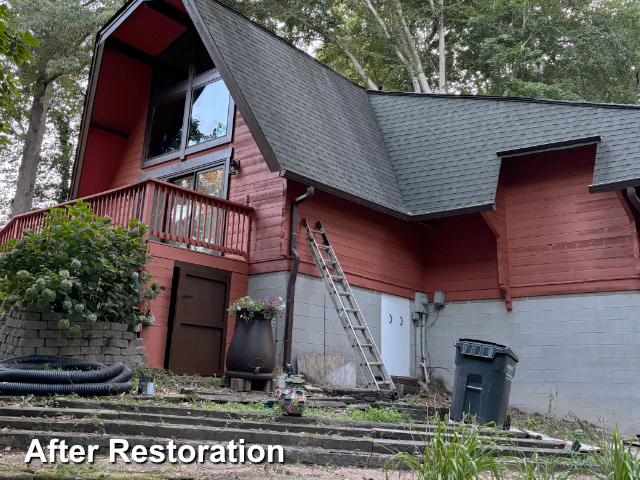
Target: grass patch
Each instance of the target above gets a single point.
(569, 428)
(166, 381)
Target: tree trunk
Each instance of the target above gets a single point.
(23, 200)
(441, 53)
(356, 64)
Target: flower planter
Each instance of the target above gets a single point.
(252, 353)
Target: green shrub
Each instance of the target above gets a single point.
(465, 453)
(80, 264)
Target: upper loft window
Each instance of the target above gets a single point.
(190, 107)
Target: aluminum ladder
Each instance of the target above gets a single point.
(351, 317)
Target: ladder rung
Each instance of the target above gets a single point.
(344, 294)
(366, 345)
(358, 327)
(324, 247)
(375, 364)
(386, 382)
(330, 262)
(316, 231)
(336, 277)
(351, 310)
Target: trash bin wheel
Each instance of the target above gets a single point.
(507, 423)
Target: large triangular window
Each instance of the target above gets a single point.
(190, 108)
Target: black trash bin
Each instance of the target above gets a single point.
(482, 384)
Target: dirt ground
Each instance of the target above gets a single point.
(203, 471)
(13, 461)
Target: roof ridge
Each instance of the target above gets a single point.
(302, 52)
(616, 106)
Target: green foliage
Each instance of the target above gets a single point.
(616, 461)
(272, 308)
(381, 415)
(15, 49)
(461, 454)
(535, 468)
(79, 263)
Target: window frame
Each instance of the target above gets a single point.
(185, 88)
(206, 162)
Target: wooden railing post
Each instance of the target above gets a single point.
(147, 206)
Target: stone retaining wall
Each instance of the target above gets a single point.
(37, 333)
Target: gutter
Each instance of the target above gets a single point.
(295, 263)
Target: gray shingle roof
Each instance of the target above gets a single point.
(430, 155)
(319, 124)
(443, 148)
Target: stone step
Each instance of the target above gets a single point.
(306, 420)
(120, 427)
(18, 438)
(416, 433)
(193, 410)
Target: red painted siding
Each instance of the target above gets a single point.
(562, 239)
(461, 259)
(375, 250)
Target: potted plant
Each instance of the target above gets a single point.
(252, 352)
(80, 265)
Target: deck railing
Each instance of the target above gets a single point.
(175, 214)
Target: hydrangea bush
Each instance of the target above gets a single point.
(270, 307)
(79, 263)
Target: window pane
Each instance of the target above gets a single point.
(184, 182)
(166, 127)
(203, 62)
(209, 113)
(173, 68)
(210, 182)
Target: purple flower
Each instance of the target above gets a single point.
(239, 308)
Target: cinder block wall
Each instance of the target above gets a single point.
(585, 347)
(37, 333)
(316, 326)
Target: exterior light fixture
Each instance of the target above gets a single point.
(234, 165)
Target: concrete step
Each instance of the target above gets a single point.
(380, 441)
(417, 433)
(193, 410)
(18, 438)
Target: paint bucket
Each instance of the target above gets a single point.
(145, 386)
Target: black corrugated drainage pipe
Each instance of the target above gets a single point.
(295, 262)
(54, 375)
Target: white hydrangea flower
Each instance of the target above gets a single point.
(64, 273)
(75, 263)
(22, 275)
(92, 318)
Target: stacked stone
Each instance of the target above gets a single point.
(37, 333)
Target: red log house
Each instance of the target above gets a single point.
(521, 212)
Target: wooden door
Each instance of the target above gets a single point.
(199, 329)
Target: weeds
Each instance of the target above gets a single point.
(616, 461)
(459, 455)
(545, 469)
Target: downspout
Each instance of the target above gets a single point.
(633, 198)
(295, 262)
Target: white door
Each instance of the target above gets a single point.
(396, 335)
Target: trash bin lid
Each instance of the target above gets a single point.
(481, 348)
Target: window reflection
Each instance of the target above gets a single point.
(209, 113)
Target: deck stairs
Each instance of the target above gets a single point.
(355, 326)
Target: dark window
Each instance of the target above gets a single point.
(166, 129)
(190, 107)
